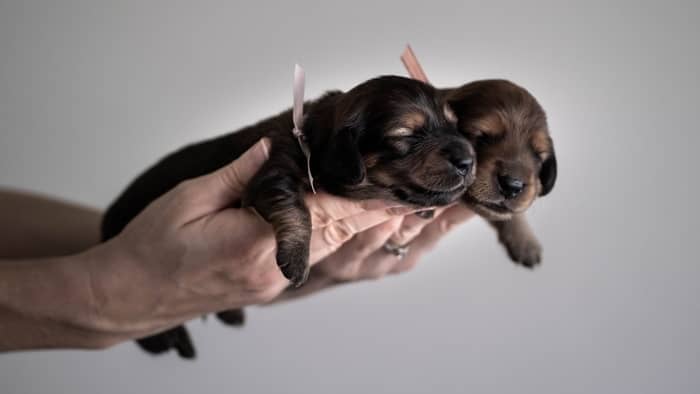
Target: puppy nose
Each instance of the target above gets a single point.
(462, 164)
(510, 187)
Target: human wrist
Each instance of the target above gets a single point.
(125, 290)
(85, 309)
(44, 304)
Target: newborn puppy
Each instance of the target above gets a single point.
(515, 156)
(390, 138)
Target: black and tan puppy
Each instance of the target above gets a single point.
(390, 138)
(515, 156)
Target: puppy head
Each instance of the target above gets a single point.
(508, 129)
(394, 138)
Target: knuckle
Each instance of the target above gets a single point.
(446, 226)
(337, 234)
(231, 177)
(346, 272)
(185, 190)
(404, 234)
(410, 227)
(364, 249)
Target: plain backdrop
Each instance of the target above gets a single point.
(93, 92)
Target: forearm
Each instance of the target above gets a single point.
(33, 226)
(49, 303)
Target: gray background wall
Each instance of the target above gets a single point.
(90, 94)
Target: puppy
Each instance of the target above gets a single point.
(515, 156)
(390, 138)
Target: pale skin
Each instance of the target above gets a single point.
(187, 254)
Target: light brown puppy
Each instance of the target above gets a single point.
(515, 159)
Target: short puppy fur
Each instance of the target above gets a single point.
(390, 138)
(515, 156)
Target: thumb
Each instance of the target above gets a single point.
(222, 187)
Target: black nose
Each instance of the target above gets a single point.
(462, 164)
(510, 187)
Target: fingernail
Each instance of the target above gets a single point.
(265, 146)
(372, 205)
(400, 211)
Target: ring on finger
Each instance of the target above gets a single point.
(400, 251)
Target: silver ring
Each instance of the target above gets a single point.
(400, 251)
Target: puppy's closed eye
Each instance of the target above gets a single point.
(400, 132)
(397, 138)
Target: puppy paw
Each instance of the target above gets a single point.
(183, 343)
(177, 338)
(293, 261)
(525, 251)
(232, 317)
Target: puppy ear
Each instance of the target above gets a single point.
(548, 174)
(342, 160)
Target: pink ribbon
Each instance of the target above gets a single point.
(298, 108)
(410, 61)
(298, 119)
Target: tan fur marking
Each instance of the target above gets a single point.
(382, 179)
(413, 120)
(371, 160)
(449, 114)
(541, 143)
(490, 125)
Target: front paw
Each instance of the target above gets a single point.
(177, 338)
(293, 261)
(525, 251)
(232, 317)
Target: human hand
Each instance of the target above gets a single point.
(364, 256)
(188, 253)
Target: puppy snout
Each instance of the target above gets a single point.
(461, 158)
(510, 187)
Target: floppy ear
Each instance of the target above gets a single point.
(342, 160)
(548, 174)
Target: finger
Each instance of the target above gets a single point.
(326, 209)
(412, 226)
(449, 219)
(218, 190)
(345, 263)
(378, 264)
(431, 234)
(383, 262)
